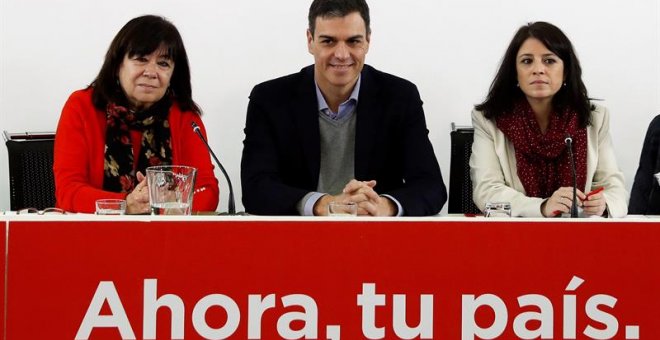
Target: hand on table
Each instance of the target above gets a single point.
(594, 203)
(363, 194)
(560, 202)
(137, 202)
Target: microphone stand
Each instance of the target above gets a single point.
(569, 144)
(231, 207)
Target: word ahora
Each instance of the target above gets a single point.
(257, 305)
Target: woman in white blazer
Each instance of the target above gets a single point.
(519, 154)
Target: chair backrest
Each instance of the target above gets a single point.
(460, 184)
(31, 180)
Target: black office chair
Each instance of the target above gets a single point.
(460, 184)
(31, 180)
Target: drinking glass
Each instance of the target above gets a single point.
(171, 189)
(342, 209)
(498, 209)
(110, 207)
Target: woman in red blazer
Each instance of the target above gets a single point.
(136, 113)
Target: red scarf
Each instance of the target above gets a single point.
(542, 159)
(155, 146)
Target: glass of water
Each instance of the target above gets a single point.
(110, 207)
(498, 209)
(342, 209)
(171, 189)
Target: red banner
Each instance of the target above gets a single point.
(326, 279)
(3, 234)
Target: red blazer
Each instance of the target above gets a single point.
(79, 153)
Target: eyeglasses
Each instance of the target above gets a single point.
(47, 211)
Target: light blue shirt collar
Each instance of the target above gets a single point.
(345, 108)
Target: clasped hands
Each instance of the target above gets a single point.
(562, 199)
(363, 194)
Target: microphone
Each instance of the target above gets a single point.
(231, 207)
(569, 144)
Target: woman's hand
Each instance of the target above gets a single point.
(595, 204)
(137, 202)
(561, 201)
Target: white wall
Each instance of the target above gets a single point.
(449, 48)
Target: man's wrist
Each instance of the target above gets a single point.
(305, 206)
(393, 206)
(321, 205)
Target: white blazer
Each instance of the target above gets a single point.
(495, 176)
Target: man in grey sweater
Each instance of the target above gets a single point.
(339, 130)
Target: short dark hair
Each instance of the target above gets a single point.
(139, 37)
(337, 9)
(504, 91)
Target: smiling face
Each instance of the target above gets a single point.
(339, 46)
(145, 78)
(540, 71)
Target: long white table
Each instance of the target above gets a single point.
(86, 276)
